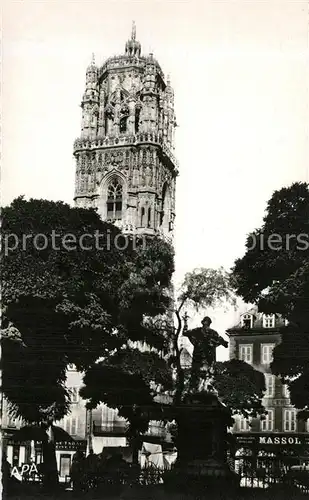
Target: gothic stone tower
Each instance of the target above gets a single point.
(125, 165)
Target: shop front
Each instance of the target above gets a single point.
(266, 458)
(296, 444)
(64, 456)
(17, 452)
(25, 457)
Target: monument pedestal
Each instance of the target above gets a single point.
(202, 447)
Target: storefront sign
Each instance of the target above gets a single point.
(280, 440)
(245, 439)
(71, 445)
(258, 439)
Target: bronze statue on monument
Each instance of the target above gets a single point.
(201, 467)
(205, 341)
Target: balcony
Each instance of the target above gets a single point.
(81, 144)
(117, 429)
(155, 433)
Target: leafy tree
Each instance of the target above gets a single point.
(274, 274)
(141, 385)
(97, 308)
(201, 289)
(64, 303)
(240, 387)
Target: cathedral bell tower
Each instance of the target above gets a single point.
(125, 166)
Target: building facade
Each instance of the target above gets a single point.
(21, 454)
(252, 340)
(125, 166)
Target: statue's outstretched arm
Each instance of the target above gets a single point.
(190, 334)
(223, 342)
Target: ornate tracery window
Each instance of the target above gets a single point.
(123, 124)
(165, 218)
(137, 119)
(114, 200)
(143, 217)
(124, 116)
(149, 217)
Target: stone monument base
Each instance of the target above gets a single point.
(200, 477)
(212, 475)
(202, 465)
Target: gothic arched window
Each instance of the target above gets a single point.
(149, 217)
(165, 217)
(142, 217)
(114, 200)
(123, 124)
(137, 117)
(108, 121)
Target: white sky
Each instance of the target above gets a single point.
(239, 69)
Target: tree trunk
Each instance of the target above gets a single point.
(135, 450)
(179, 370)
(50, 471)
(183, 454)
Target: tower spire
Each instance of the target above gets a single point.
(133, 34)
(133, 47)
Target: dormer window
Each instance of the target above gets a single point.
(268, 321)
(247, 321)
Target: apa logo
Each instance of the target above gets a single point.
(18, 472)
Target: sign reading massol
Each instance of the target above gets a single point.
(280, 440)
(257, 439)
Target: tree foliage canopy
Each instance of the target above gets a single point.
(240, 387)
(72, 305)
(206, 288)
(274, 274)
(95, 307)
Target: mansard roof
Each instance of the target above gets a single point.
(257, 323)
